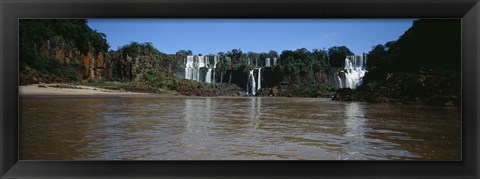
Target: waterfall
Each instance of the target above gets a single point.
(215, 61)
(274, 61)
(194, 63)
(253, 87)
(339, 82)
(208, 77)
(267, 62)
(206, 63)
(258, 81)
(197, 74)
(251, 83)
(189, 69)
(355, 69)
(201, 61)
(352, 74)
(214, 79)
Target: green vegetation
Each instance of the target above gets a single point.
(69, 51)
(53, 49)
(337, 56)
(423, 65)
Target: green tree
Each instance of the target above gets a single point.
(429, 43)
(272, 54)
(337, 55)
(41, 39)
(377, 57)
(222, 65)
(236, 57)
(321, 60)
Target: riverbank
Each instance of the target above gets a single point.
(61, 90)
(58, 90)
(77, 91)
(386, 95)
(313, 91)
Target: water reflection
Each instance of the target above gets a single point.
(354, 120)
(195, 139)
(255, 112)
(235, 129)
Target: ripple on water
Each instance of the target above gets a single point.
(235, 128)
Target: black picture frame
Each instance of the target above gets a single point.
(467, 10)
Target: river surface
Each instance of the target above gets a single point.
(250, 128)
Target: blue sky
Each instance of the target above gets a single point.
(210, 36)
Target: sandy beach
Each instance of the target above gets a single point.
(55, 90)
(64, 90)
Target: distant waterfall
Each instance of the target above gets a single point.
(211, 67)
(258, 81)
(268, 62)
(215, 61)
(251, 89)
(201, 63)
(208, 76)
(339, 82)
(254, 83)
(194, 63)
(202, 69)
(189, 68)
(352, 74)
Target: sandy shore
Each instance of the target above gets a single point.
(53, 90)
(80, 91)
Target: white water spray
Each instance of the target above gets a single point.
(251, 83)
(258, 79)
(355, 69)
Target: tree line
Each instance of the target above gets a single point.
(68, 50)
(422, 63)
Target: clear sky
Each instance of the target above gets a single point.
(210, 36)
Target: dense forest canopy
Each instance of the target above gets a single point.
(424, 64)
(424, 59)
(429, 47)
(337, 56)
(428, 44)
(47, 44)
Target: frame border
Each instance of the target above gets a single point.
(467, 10)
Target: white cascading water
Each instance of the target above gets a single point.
(206, 63)
(201, 63)
(267, 62)
(252, 86)
(340, 85)
(355, 69)
(215, 61)
(189, 68)
(208, 76)
(193, 65)
(258, 81)
(251, 83)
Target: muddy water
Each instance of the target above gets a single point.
(235, 129)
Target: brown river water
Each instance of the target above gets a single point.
(250, 128)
